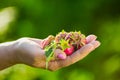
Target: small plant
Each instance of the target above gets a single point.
(68, 42)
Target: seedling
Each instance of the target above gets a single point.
(68, 42)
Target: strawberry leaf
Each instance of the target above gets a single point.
(49, 52)
(64, 44)
(63, 31)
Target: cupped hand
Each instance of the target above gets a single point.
(30, 51)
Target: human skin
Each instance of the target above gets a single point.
(30, 51)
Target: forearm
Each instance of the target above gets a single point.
(7, 54)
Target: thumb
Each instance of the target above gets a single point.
(43, 43)
(59, 54)
(47, 41)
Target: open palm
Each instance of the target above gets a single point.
(31, 52)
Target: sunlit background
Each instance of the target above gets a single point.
(40, 18)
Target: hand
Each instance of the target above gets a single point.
(30, 51)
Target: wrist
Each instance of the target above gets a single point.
(12, 52)
(21, 52)
(7, 54)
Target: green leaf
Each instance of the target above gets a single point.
(48, 52)
(64, 44)
(79, 32)
(82, 36)
(49, 57)
(63, 31)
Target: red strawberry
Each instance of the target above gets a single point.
(69, 51)
(79, 47)
(85, 41)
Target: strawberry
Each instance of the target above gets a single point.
(83, 41)
(79, 47)
(69, 51)
(69, 42)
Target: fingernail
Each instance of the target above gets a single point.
(91, 38)
(61, 56)
(96, 44)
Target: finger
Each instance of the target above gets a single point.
(47, 40)
(84, 51)
(60, 54)
(91, 38)
(43, 42)
(35, 40)
(95, 43)
(80, 54)
(38, 41)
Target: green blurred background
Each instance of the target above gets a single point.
(40, 18)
